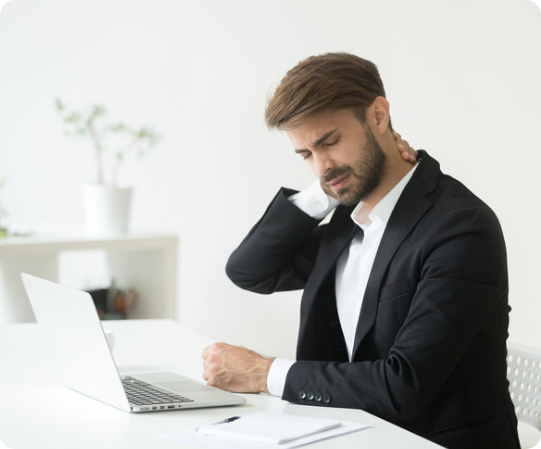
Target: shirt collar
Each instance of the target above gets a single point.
(363, 216)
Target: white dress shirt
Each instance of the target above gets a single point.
(354, 264)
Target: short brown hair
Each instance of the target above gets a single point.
(328, 81)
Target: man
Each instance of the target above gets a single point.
(405, 306)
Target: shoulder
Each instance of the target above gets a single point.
(446, 193)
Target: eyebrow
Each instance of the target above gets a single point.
(319, 141)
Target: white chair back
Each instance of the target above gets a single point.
(524, 375)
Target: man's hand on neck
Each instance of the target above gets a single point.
(404, 148)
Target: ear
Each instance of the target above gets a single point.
(379, 115)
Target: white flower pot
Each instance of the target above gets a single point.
(106, 209)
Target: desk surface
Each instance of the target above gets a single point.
(36, 412)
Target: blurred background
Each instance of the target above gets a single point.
(462, 78)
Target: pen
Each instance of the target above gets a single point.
(223, 421)
(233, 418)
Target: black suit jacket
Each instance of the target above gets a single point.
(430, 346)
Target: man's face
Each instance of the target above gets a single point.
(342, 152)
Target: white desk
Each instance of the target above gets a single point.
(35, 412)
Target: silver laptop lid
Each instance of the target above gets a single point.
(74, 336)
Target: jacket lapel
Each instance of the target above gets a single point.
(411, 206)
(339, 233)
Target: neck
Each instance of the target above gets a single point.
(395, 169)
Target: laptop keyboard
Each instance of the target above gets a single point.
(143, 393)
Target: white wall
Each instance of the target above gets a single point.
(462, 77)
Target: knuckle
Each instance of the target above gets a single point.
(214, 347)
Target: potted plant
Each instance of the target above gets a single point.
(107, 204)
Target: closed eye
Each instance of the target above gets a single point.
(329, 144)
(305, 154)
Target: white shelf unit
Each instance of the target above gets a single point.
(145, 262)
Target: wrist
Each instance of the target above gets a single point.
(314, 201)
(263, 373)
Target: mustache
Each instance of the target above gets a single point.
(336, 172)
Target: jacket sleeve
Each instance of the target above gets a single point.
(279, 252)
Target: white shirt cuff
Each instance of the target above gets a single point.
(314, 201)
(276, 379)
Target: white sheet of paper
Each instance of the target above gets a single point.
(190, 436)
(271, 428)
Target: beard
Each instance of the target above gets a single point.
(366, 173)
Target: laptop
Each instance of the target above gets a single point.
(83, 360)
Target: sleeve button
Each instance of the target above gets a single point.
(310, 395)
(326, 398)
(302, 394)
(318, 397)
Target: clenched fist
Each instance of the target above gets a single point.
(234, 368)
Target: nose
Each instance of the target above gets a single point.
(322, 164)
